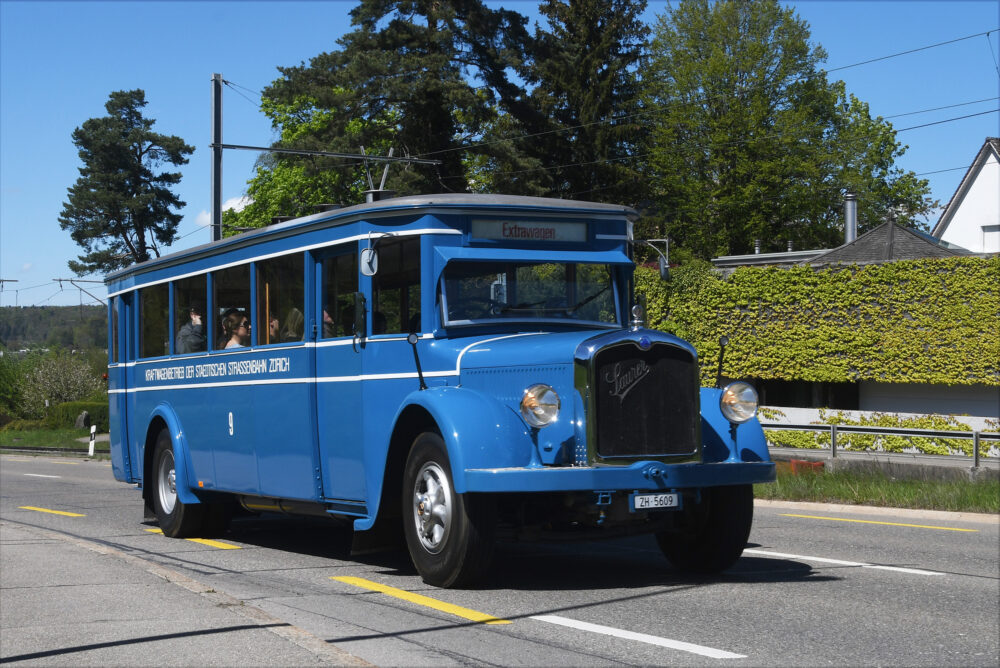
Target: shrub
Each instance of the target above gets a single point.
(58, 377)
(24, 425)
(64, 415)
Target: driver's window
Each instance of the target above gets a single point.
(340, 282)
(396, 288)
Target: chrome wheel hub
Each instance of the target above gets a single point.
(432, 507)
(166, 486)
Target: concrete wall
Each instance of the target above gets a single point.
(981, 400)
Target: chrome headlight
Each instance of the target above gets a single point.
(738, 402)
(540, 405)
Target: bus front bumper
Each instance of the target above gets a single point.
(643, 475)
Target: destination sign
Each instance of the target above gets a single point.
(522, 230)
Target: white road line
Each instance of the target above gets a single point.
(640, 637)
(840, 562)
(39, 475)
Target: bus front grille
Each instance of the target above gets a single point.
(647, 402)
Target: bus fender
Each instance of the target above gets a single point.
(721, 442)
(478, 431)
(182, 462)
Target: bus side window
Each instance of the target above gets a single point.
(396, 288)
(154, 330)
(231, 303)
(340, 282)
(191, 335)
(280, 300)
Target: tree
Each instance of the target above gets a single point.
(401, 79)
(750, 141)
(584, 72)
(120, 210)
(58, 377)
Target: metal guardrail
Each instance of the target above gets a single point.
(834, 429)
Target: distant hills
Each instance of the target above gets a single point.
(74, 327)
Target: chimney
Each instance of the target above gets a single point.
(850, 217)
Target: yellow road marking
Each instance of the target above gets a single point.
(54, 512)
(426, 601)
(204, 541)
(61, 461)
(892, 524)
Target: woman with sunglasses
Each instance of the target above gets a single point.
(235, 329)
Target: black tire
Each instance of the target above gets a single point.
(713, 532)
(450, 536)
(177, 519)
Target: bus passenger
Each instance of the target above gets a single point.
(293, 326)
(235, 329)
(191, 337)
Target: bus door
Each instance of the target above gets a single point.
(133, 441)
(338, 377)
(117, 389)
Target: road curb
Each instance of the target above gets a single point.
(324, 650)
(942, 515)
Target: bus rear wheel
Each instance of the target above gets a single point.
(450, 536)
(715, 531)
(176, 518)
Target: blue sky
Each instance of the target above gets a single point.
(60, 60)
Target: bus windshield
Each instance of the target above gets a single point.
(478, 292)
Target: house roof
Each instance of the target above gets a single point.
(990, 147)
(887, 243)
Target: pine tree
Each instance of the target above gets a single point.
(120, 210)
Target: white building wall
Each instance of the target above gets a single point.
(981, 400)
(976, 222)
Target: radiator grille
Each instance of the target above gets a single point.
(646, 401)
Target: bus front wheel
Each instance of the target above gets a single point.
(714, 531)
(449, 536)
(177, 519)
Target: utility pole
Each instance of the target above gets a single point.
(74, 281)
(9, 280)
(216, 157)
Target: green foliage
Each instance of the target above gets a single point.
(21, 424)
(57, 377)
(400, 79)
(120, 210)
(920, 321)
(64, 415)
(748, 140)
(77, 327)
(876, 489)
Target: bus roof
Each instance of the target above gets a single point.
(449, 202)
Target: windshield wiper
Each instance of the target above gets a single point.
(580, 304)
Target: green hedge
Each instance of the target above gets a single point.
(64, 415)
(918, 321)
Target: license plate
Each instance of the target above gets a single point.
(659, 501)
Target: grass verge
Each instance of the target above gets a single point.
(874, 489)
(63, 439)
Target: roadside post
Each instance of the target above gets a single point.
(93, 437)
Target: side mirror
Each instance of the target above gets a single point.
(369, 262)
(664, 269)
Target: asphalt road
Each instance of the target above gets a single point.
(818, 585)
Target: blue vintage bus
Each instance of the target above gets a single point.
(447, 370)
